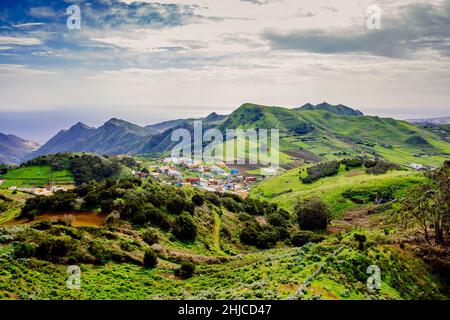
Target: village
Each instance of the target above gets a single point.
(216, 177)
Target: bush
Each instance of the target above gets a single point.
(185, 227)
(321, 170)
(157, 217)
(53, 248)
(150, 237)
(3, 206)
(213, 198)
(301, 238)
(198, 200)
(255, 235)
(276, 220)
(382, 167)
(176, 205)
(249, 234)
(232, 205)
(312, 214)
(352, 163)
(361, 239)
(42, 225)
(150, 259)
(186, 269)
(23, 250)
(225, 232)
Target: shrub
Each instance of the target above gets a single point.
(276, 220)
(301, 238)
(213, 198)
(312, 214)
(249, 234)
(3, 206)
(185, 227)
(231, 205)
(267, 239)
(186, 269)
(198, 200)
(382, 167)
(225, 232)
(150, 237)
(150, 259)
(361, 239)
(176, 205)
(157, 217)
(23, 250)
(53, 248)
(352, 163)
(255, 235)
(43, 225)
(321, 170)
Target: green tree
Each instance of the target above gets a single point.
(428, 205)
(312, 214)
(185, 227)
(150, 259)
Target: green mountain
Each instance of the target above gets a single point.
(309, 133)
(315, 135)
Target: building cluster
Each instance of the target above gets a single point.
(217, 177)
(39, 191)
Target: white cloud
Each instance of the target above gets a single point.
(29, 24)
(19, 41)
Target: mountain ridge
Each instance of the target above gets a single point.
(14, 148)
(309, 132)
(339, 109)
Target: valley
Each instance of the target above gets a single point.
(140, 224)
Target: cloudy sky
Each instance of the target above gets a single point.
(146, 61)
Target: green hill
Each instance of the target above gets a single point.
(287, 188)
(314, 135)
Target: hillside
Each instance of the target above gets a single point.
(287, 188)
(315, 135)
(199, 244)
(13, 148)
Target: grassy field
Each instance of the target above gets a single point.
(287, 188)
(37, 176)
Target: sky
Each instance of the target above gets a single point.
(148, 61)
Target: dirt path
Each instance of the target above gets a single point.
(83, 219)
(358, 217)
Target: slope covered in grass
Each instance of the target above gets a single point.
(317, 134)
(287, 188)
(35, 176)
